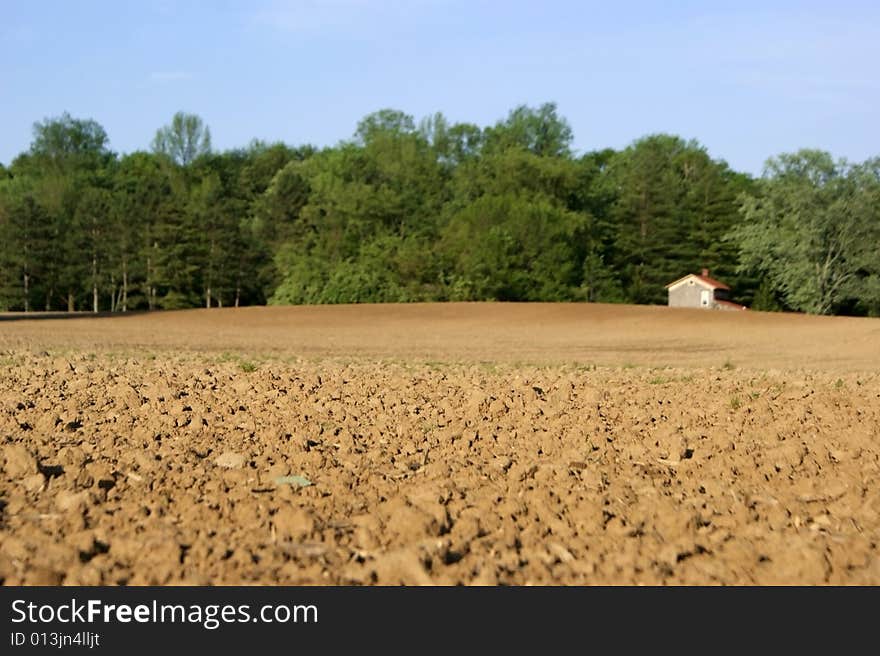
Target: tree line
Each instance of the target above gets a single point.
(428, 211)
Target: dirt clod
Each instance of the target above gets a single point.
(230, 460)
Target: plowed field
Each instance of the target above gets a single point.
(444, 444)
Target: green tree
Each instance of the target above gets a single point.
(812, 230)
(362, 207)
(212, 212)
(512, 247)
(454, 144)
(69, 143)
(263, 162)
(67, 157)
(25, 244)
(90, 233)
(174, 248)
(672, 207)
(141, 187)
(384, 122)
(540, 131)
(185, 139)
(592, 196)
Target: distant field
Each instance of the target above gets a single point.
(458, 443)
(512, 333)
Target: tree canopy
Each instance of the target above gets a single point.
(425, 210)
(813, 230)
(185, 139)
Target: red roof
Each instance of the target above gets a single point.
(717, 284)
(711, 282)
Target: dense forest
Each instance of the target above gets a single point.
(429, 211)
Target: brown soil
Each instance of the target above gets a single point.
(460, 443)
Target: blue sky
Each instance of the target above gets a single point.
(747, 79)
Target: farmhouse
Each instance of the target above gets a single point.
(701, 291)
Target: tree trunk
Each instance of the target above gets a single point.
(27, 276)
(71, 302)
(125, 286)
(151, 283)
(238, 284)
(95, 284)
(210, 274)
(151, 290)
(116, 298)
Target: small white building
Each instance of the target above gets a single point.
(701, 291)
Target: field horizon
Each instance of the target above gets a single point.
(531, 333)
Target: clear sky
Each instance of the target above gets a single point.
(748, 79)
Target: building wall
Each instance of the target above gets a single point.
(688, 295)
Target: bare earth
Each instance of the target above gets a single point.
(445, 444)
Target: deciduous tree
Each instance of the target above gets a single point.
(812, 230)
(184, 139)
